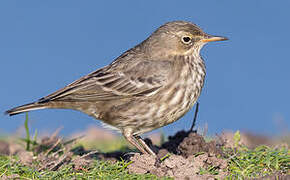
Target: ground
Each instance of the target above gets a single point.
(186, 155)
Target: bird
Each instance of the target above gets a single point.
(147, 87)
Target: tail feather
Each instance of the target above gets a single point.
(25, 108)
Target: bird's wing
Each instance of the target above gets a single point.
(116, 81)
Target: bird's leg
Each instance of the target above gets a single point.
(145, 146)
(131, 139)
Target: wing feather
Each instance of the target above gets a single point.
(141, 79)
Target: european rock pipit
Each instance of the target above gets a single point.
(147, 87)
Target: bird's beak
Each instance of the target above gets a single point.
(210, 38)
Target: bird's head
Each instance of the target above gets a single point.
(178, 38)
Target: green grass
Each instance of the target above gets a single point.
(243, 163)
(261, 161)
(98, 170)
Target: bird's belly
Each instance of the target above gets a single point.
(178, 108)
(170, 108)
(146, 114)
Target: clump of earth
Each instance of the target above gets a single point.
(187, 153)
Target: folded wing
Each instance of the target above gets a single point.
(142, 78)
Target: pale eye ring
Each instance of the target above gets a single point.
(186, 39)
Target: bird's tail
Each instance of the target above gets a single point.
(26, 107)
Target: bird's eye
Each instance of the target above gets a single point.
(186, 39)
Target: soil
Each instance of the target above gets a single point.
(189, 152)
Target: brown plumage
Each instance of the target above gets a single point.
(147, 87)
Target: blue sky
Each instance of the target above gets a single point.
(44, 45)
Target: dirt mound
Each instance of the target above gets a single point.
(177, 166)
(189, 154)
(189, 143)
